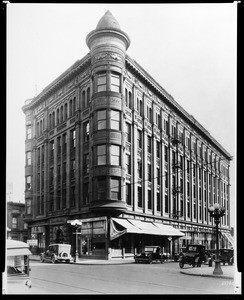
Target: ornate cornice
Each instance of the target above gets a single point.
(66, 76)
(135, 68)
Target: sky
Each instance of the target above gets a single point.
(189, 49)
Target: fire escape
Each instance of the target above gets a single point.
(177, 189)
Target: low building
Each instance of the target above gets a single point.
(16, 227)
(106, 145)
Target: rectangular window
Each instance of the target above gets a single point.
(101, 188)
(158, 176)
(28, 206)
(115, 188)
(73, 139)
(115, 82)
(101, 119)
(149, 172)
(72, 196)
(58, 200)
(149, 144)
(149, 199)
(128, 132)
(28, 158)
(28, 182)
(86, 131)
(139, 138)
(115, 119)
(166, 203)
(86, 163)
(139, 169)
(64, 143)
(158, 202)
(28, 132)
(101, 155)
(101, 82)
(115, 155)
(63, 198)
(139, 196)
(158, 148)
(128, 163)
(86, 192)
(14, 222)
(72, 168)
(166, 154)
(128, 193)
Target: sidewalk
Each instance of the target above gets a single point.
(205, 270)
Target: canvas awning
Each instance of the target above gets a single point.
(17, 248)
(141, 227)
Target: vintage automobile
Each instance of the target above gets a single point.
(225, 256)
(194, 255)
(16, 278)
(57, 253)
(150, 254)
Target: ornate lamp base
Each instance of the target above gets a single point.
(217, 268)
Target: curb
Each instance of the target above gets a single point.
(208, 275)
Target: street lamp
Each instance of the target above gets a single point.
(76, 223)
(216, 212)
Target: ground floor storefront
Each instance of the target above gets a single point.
(110, 238)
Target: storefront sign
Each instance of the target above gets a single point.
(58, 221)
(93, 219)
(32, 242)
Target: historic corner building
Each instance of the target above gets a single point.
(108, 146)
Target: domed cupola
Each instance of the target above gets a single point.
(108, 31)
(108, 21)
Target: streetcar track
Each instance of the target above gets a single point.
(68, 285)
(114, 279)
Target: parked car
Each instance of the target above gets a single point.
(150, 254)
(16, 278)
(57, 253)
(225, 256)
(194, 256)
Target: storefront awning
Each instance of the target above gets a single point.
(142, 227)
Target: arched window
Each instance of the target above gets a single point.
(53, 121)
(61, 114)
(40, 127)
(88, 95)
(70, 107)
(74, 105)
(57, 116)
(65, 111)
(50, 121)
(83, 99)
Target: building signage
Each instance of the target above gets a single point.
(32, 242)
(58, 221)
(93, 219)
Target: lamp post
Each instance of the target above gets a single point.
(216, 212)
(76, 223)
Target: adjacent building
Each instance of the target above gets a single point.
(108, 146)
(16, 227)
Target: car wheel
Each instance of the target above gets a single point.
(53, 260)
(181, 264)
(150, 260)
(193, 264)
(42, 259)
(67, 261)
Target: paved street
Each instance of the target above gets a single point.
(122, 279)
